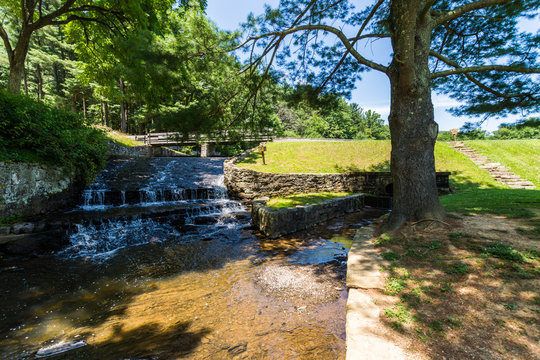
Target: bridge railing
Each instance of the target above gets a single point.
(169, 138)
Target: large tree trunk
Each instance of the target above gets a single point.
(106, 114)
(39, 82)
(16, 74)
(412, 126)
(123, 109)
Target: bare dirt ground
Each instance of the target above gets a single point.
(468, 288)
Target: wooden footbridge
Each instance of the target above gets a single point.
(207, 142)
(179, 139)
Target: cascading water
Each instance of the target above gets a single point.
(161, 199)
(162, 265)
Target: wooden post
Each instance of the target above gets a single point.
(262, 149)
(454, 132)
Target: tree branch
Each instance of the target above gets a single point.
(7, 44)
(362, 27)
(445, 16)
(458, 69)
(46, 20)
(503, 68)
(428, 6)
(339, 34)
(366, 36)
(471, 78)
(71, 18)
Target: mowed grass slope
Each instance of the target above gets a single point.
(475, 190)
(321, 157)
(522, 157)
(368, 155)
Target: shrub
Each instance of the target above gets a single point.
(34, 132)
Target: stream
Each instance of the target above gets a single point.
(161, 264)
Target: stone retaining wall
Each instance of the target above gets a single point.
(276, 222)
(33, 189)
(116, 149)
(249, 184)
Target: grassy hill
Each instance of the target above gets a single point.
(521, 156)
(475, 190)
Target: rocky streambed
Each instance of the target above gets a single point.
(197, 283)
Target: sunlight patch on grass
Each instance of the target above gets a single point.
(321, 157)
(475, 191)
(303, 199)
(118, 137)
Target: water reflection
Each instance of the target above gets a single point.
(216, 290)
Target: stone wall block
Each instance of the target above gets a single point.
(32, 189)
(249, 184)
(277, 222)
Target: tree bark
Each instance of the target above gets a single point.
(39, 77)
(123, 109)
(106, 113)
(84, 106)
(16, 69)
(412, 126)
(25, 82)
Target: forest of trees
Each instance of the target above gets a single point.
(151, 65)
(172, 73)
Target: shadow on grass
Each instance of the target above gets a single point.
(253, 157)
(514, 203)
(380, 167)
(451, 297)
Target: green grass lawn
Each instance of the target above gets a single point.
(304, 199)
(475, 190)
(371, 155)
(119, 138)
(321, 157)
(520, 156)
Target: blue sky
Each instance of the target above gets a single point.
(373, 90)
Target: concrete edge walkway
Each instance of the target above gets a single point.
(365, 340)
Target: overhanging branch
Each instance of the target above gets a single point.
(442, 17)
(471, 78)
(337, 32)
(362, 27)
(473, 69)
(7, 44)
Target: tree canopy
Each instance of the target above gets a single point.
(473, 51)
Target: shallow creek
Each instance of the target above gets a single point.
(162, 265)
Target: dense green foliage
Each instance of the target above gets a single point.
(304, 113)
(522, 129)
(174, 73)
(33, 132)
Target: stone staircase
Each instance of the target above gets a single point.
(496, 170)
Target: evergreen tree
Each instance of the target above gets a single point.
(472, 50)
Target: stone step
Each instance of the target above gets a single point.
(495, 170)
(518, 183)
(495, 173)
(506, 177)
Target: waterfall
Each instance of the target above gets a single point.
(169, 203)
